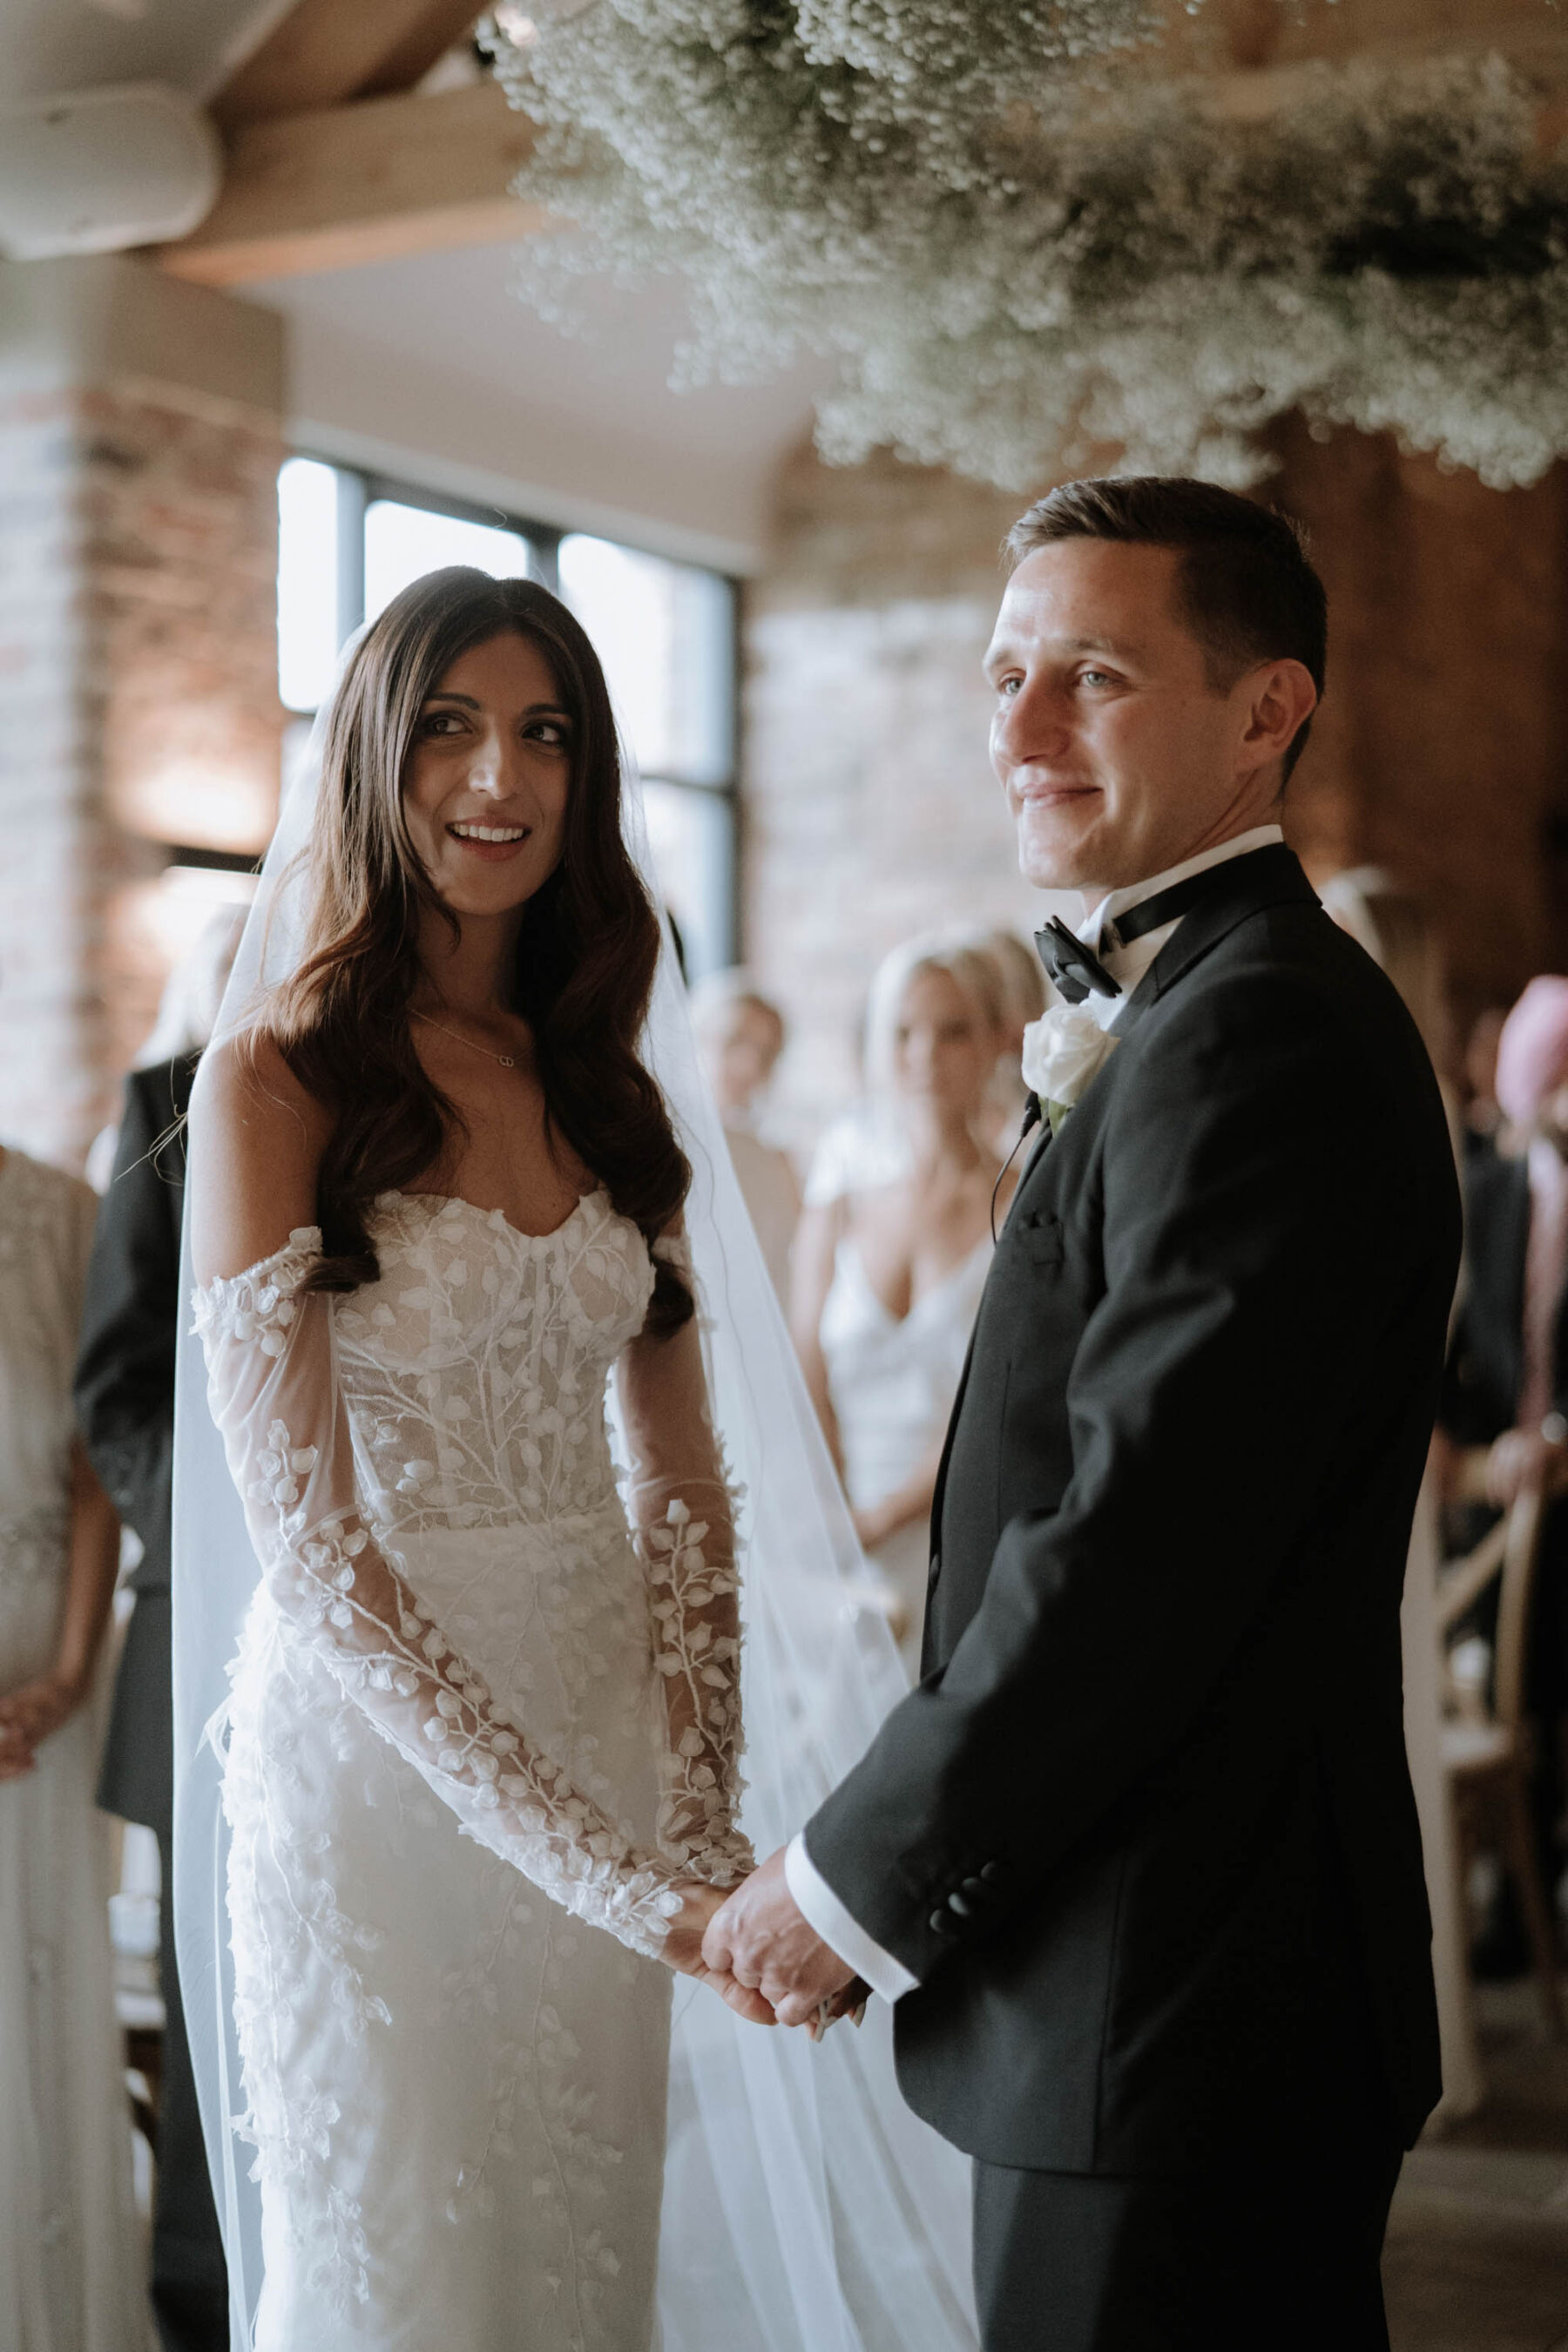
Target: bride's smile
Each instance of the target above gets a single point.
(489, 772)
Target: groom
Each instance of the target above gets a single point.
(1139, 1860)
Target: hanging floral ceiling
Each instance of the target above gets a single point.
(1020, 242)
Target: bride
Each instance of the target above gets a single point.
(482, 1781)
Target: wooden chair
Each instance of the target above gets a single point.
(1487, 1752)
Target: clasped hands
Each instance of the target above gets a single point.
(30, 1712)
(759, 1952)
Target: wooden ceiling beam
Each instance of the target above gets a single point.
(335, 185)
(1259, 52)
(346, 184)
(327, 52)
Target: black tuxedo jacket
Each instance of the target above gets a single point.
(1144, 1832)
(124, 1396)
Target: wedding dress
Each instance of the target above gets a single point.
(454, 2029)
(70, 2264)
(484, 1712)
(892, 1381)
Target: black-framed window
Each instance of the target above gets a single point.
(665, 632)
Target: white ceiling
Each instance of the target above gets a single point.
(438, 354)
(51, 45)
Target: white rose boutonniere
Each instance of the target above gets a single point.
(1062, 1051)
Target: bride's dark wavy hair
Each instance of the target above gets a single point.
(585, 957)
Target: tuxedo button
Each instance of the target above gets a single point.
(990, 1872)
(940, 1924)
(962, 1905)
(975, 1886)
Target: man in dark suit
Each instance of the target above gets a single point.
(125, 1406)
(1139, 1858)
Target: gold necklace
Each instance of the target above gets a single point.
(507, 1061)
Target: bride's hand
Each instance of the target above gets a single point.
(850, 2003)
(29, 1713)
(683, 1951)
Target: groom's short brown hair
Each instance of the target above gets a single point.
(1244, 585)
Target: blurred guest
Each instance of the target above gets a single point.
(888, 1274)
(1397, 931)
(863, 1147)
(1393, 927)
(740, 1036)
(1507, 1385)
(70, 2266)
(125, 1404)
(1483, 1118)
(1023, 988)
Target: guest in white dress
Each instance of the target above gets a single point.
(69, 2259)
(741, 1034)
(888, 1275)
(1023, 988)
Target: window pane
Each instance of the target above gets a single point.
(663, 631)
(691, 833)
(306, 583)
(401, 543)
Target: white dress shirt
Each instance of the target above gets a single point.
(822, 1908)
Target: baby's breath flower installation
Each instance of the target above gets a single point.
(1017, 243)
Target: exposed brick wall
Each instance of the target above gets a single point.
(49, 882)
(138, 707)
(1441, 751)
(869, 808)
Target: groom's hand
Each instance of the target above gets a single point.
(683, 1952)
(762, 1939)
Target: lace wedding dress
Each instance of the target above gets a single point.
(71, 2265)
(484, 1715)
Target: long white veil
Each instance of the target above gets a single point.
(805, 2208)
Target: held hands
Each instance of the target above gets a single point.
(759, 1940)
(684, 1951)
(698, 1946)
(29, 1713)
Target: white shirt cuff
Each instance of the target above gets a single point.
(840, 1932)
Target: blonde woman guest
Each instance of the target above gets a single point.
(741, 1034)
(888, 1275)
(1022, 990)
(70, 2257)
(1396, 932)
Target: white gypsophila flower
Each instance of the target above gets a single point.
(1017, 244)
(1062, 1051)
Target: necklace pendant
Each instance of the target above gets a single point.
(505, 1061)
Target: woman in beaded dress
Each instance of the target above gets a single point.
(483, 1744)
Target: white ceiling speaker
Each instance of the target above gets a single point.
(97, 170)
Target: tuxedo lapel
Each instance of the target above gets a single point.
(1029, 1168)
(1242, 887)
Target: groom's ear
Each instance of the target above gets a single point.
(1277, 699)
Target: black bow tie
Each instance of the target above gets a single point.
(1072, 969)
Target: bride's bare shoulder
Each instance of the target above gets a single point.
(245, 1086)
(258, 1136)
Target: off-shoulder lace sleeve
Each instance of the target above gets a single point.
(274, 1396)
(683, 1513)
